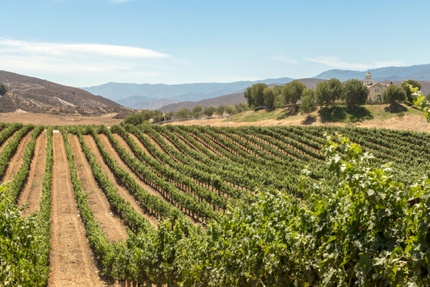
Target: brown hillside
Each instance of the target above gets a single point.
(28, 94)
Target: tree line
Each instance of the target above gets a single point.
(184, 113)
(352, 93)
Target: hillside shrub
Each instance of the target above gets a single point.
(2, 89)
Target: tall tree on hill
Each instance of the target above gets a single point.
(355, 93)
(336, 90)
(293, 91)
(254, 95)
(197, 111)
(230, 110)
(220, 110)
(209, 111)
(269, 98)
(406, 85)
(322, 94)
(328, 92)
(308, 102)
(394, 94)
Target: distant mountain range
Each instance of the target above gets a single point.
(418, 72)
(154, 96)
(157, 96)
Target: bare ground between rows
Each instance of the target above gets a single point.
(89, 140)
(71, 260)
(17, 159)
(32, 194)
(112, 225)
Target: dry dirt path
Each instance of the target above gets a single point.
(4, 144)
(32, 194)
(89, 140)
(18, 158)
(112, 225)
(71, 259)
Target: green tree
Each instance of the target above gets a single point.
(269, 98)
(394, 94)
(293, 91)
(406, 85)
(230, 110)
(307, 103)
(336, 90)
(144, 116)
(254, 95)
(355, 93)
(2, 89)
(183, 113)
(220, 110)
(209, 111)
(240, 107)
(322, 93)
(197, 111)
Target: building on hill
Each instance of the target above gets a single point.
(376, 90)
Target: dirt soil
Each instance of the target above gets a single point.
(121, 190)
(111, 224)
(32, 194)
(58, 120)
(407, 122)
(71, 259)
(18, 158)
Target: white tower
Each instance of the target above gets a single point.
(368, 79)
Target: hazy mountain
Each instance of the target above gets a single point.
(231, 99)
(145, 95)
(418, 72)
(41, 96)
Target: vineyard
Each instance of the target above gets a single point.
(206, 206)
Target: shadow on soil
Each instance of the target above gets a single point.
(342, 114)
(395, 108)
(310, 119)
(288, 112)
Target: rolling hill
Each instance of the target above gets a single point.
(158, 96)
(35, 95)
(154, 96)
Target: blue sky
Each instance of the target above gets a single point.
(90, 42)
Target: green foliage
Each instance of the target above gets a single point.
(421, 102)
(143, 117)
(406, 86)
(184, 113)
(269, 98)
(209, 111)
(255, 95)
(394, 94)
(355, 93)
(293, 91)
(328, 92)
(220, 110)
(230, 110)
(352, 220)
(197, 111)
(308, 102)
(19, 247)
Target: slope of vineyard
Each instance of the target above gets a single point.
(212, 206)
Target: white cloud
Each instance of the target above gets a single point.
(79, 64)
(60, 49)
(335, 62)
